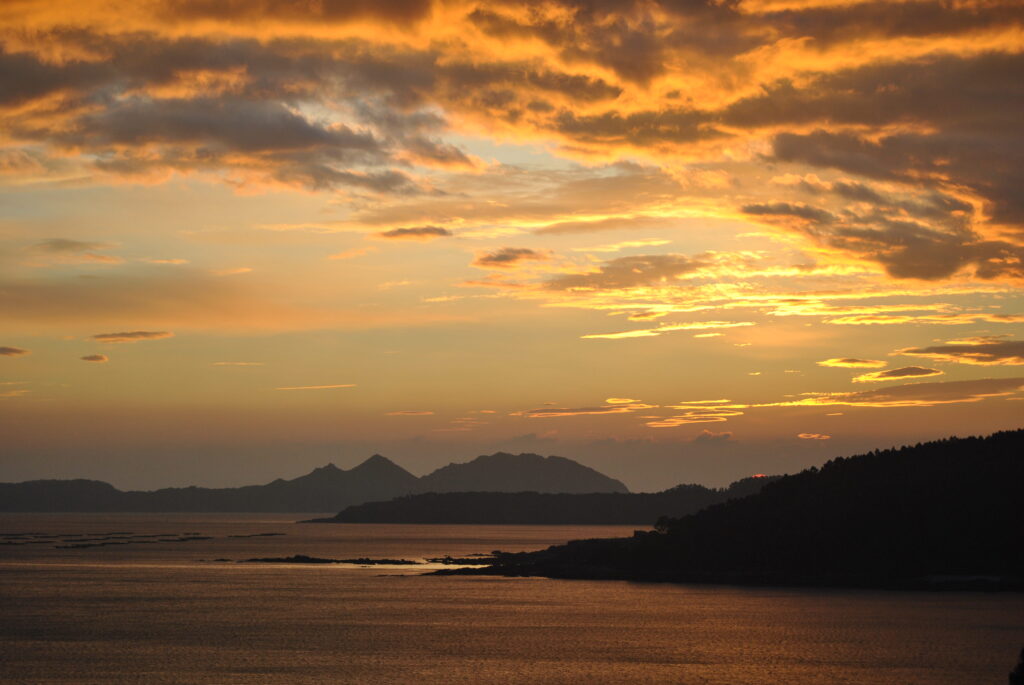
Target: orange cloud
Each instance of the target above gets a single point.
(666, 328)
(616, 247)
(353, 253)
(610, 408)
(814, 436)
(99, 358)
(318, 387)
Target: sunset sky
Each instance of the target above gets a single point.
(677, 241)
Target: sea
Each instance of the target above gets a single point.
(170, 598)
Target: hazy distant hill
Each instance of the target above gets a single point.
(324, 489)
(545, 508)
(931, 514)
(502, 472)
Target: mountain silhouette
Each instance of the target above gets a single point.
(327, 488)
(534, 508)
(503, 472)
(944, 514)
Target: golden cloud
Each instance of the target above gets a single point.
(852, 363)
(666, 328)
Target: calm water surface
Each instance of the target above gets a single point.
(173, 611)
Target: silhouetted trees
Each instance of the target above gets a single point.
(545, 508)
(943, 512)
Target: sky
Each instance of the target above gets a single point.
(678, 241)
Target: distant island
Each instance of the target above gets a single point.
(531, 508)
(326, 489)
(945, 514)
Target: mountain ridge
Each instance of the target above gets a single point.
(326, 488)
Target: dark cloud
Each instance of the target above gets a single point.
(13, 352)
(942, 122)
(632, 272)
(131, 336)
(630, 38)
(894, 91)
(907, 247)
(62, 245)
(786, 209)
(893, 374)
(216, 124)
(416, 233)
(982, 351)
(98, 358)
(107, 108)
(443, 154)
(26, 78)
(507, 258)
(988, 159)
(401, 12)
(827, 25)
(487, 79)
(971, 106)
(642, 129)
(707, 436)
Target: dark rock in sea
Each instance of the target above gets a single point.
(1017, 674)
(303, 559)
(473, 559)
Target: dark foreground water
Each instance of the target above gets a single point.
(165, 611)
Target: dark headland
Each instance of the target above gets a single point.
(940, 515)
(545, 508)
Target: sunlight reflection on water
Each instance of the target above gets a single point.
(155, 613)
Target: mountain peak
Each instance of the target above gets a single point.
(504, 472)
(382, 466)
